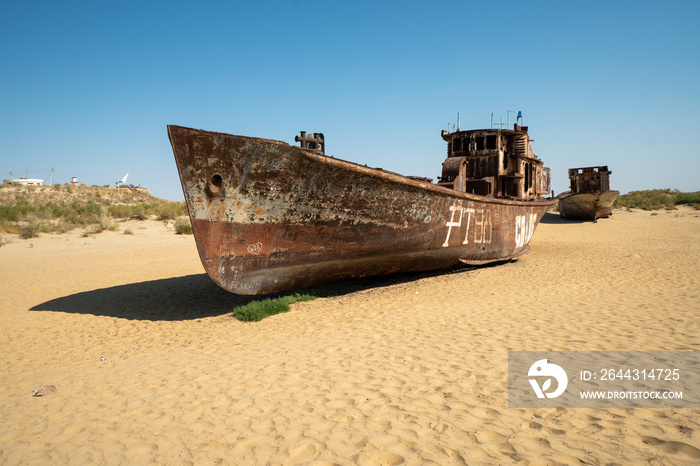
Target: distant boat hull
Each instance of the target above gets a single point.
(270, 217)
(587, 206)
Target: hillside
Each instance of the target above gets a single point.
(28, 211)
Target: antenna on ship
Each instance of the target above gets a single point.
(457, 121)
(508, 112)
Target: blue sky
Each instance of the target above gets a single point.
(87, 88)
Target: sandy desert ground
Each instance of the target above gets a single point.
(383, 371)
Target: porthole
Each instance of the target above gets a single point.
(214, 186)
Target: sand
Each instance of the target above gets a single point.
(394, 370)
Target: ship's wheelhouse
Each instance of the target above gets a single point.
(494, 163)
(589, 179)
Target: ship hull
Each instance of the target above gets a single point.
(587, 206)
(270, 217)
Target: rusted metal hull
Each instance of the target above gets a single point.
(587, 206)
(269, 217)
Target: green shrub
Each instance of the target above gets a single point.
(119, 211)
(31, 230)
(14, 213)
(139, 212)
(691, 199)
(63, 227)
(256, 311)
(170, 211)
(183, 227)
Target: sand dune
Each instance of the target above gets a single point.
(408, 369)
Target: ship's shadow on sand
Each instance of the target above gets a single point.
(556, 219)
(197, 296)
(180, 298)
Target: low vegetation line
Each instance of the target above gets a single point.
(656, 199)
(256, 311)
(30, 211)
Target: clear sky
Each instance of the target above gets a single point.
(88, 87)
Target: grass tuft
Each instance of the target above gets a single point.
(256, 311)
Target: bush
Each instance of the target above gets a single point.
(256, 311)
(691, 199)
(106, 223)
(31, 230)
(183, 226)
(139, 213)
(14, 213)
(9, 228)
(120, 211)
(170, 211)
(62, 227)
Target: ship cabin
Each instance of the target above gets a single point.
(494, 163)
(589, 179)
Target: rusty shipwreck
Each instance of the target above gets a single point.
(269, 217)
(590, 196)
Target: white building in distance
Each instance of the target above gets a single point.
(24, 181)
